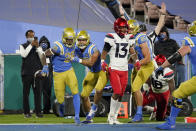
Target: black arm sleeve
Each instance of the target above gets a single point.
(175, 57)
(107, 47)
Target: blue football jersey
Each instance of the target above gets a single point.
(191, 41)
(62, 63)
(88, 52)
(141, 38)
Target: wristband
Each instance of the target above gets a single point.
(80, 60)
(47, 60)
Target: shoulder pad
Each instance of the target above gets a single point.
(131, 36)
(109, 35)
(168, 73)
(188, 41)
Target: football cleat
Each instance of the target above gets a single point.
(168, 125)
(91, 114)
(87, 121)
(77, 121)
(137, 118)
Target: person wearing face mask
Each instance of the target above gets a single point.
(31, 63)
(46, 81)
(167, 46)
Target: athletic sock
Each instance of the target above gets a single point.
(139, 110)
(76, 102)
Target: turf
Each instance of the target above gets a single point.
(52, 119)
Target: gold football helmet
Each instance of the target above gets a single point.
(82, 39)
(133, 26)
(192, 29)
(69, 37)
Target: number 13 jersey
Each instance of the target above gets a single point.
(119, 51)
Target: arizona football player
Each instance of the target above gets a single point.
(117, 46)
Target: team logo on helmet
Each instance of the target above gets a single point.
(69, 37)
(133, 26)
(118, 24)
(160, 59)
(82, 39)
(192, 29)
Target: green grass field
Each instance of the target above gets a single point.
(52, 119)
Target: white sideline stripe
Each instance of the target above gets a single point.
(92, 123)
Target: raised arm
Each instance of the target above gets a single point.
(161, 21)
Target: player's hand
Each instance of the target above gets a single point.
(158, 71)
(104, 66)
(76, 59)
(45, 71)
(163, 9)
(137, 65)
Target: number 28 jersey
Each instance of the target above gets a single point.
(161, 85)
(119, 50)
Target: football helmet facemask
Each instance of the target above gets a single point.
(69, 37)
(119, 24)
(82, 39)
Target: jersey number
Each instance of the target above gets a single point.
(123, 47)
(156, 84)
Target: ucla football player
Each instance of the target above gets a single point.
(143, 65)
(186, 88)
(88, 54)
(63, 73)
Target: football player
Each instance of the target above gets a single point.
(88, 54)
(160, 89)
(64, 74)
(117, 46)
(186, 88)
(143, 65)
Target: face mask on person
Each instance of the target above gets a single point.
(30, 39)
(44, 46)
(161, 37)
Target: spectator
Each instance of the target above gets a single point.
(167, 47)
(30, 64)
(46, 81)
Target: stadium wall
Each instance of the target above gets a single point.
(13, 34)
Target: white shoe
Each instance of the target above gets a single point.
(111, 119)
(91, 114)
(116, 122)
(152, 116)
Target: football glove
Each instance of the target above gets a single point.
(137, 64)
(76, 59)
(45, 71)
(104, 66)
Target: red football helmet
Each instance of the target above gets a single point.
(160, 59)
(120, 22)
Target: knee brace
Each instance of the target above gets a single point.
(176, 102)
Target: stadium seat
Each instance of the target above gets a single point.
(180, 24)
(151, 11)
(137, 6)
